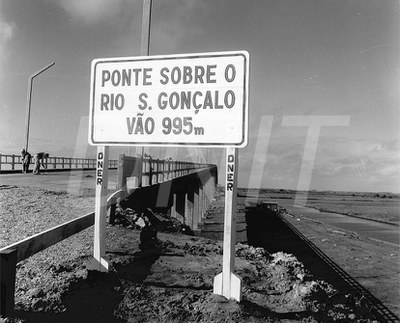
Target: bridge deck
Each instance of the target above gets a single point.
(74, 182)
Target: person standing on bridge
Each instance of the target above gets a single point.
(26, 160)
(39, 160)
(23, 159)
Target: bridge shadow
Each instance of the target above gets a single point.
(94, 298)
(271, 231)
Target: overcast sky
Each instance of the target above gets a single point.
(307, 58)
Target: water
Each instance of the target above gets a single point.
(375, 230)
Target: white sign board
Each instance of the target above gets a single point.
(191, 100)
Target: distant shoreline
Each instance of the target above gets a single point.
(351, 215)
(324, 197)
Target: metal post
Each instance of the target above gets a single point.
(145, 39)
(29, 100)
(146, 23)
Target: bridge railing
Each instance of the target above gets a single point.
(14, 163)
(137, 172)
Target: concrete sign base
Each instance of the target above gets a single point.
(234, 288)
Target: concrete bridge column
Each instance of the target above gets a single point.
(189, 199)
(145, 172)
(204, 196)
(196, 206)
(174, 213)
(203, 206)
(210, 189)
(164, 193)
(178, 206)
(170, 171)
(207, 192)
(154, 174)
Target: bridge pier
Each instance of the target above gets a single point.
(189, 199)
(186, 188)
(178, 206)
(202, 204)
(206, 187)
(146, 176)
(211, 183)
(164, 195)
(196, 206)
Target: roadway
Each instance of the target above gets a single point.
(74, 182)
(82, 182)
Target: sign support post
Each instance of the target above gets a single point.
(98, 262)
(227, 283)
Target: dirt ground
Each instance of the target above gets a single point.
(172, 280)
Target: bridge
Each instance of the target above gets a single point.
(185, 189)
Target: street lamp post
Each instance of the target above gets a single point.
(145, 37)
(29, 100)
(145, 40)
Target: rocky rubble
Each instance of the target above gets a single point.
(173, 283)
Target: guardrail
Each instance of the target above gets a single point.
(14, 163)
(16, 252)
